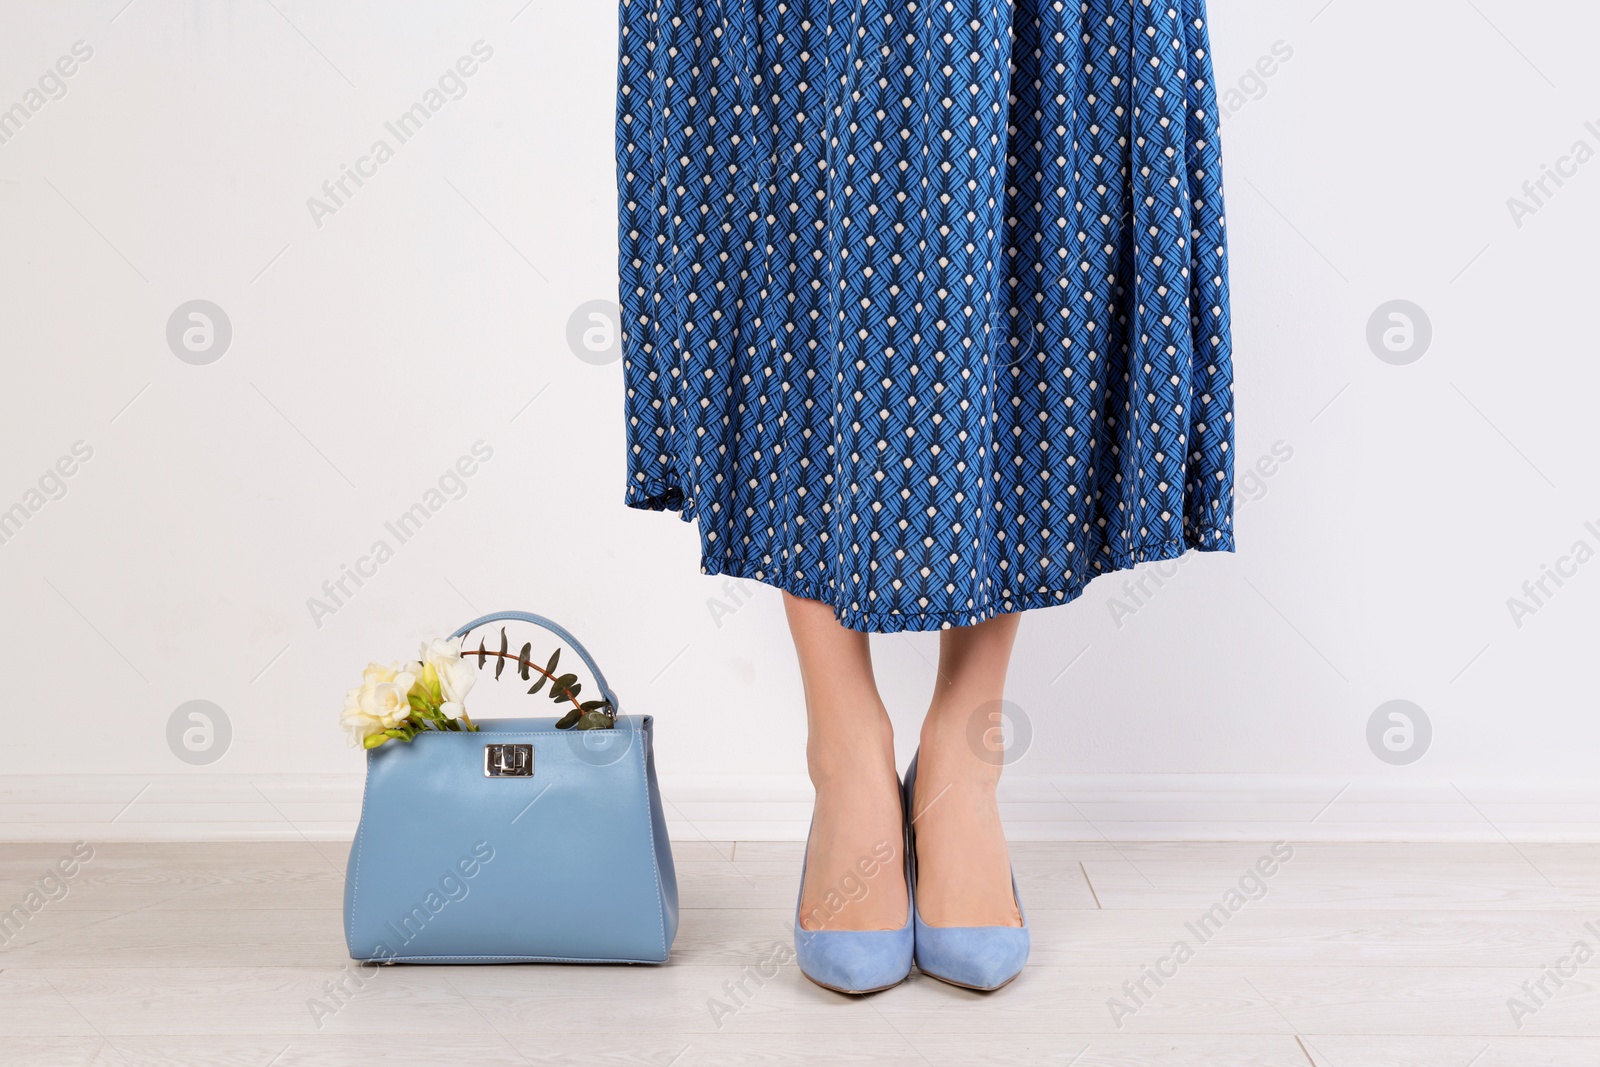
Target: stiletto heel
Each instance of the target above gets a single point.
(973, 957)
(856, 961)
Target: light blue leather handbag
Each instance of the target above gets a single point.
(517, 843)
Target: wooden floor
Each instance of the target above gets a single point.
(1349, 956)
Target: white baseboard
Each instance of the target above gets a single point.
(214, 807)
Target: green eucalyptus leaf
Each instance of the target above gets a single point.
(567, 721)
(595, 720)
(500, 664)
(523, 666)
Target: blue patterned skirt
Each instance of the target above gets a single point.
(925, 303)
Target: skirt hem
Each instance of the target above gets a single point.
(1208, 539)
(660, 496)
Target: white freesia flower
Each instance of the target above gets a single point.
(455, 675)
(381, 702)
(402, 701)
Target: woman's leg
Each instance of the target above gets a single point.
(963, 868)
(854, 868)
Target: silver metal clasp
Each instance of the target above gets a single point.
(508, 761)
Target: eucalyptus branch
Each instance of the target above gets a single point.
(532, 667)
(585, 714)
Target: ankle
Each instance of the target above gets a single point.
(851, 756)
(962, 747)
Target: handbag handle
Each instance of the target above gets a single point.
(555, 628)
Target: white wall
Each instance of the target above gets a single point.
(371, 351)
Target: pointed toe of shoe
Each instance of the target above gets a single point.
(977, 957)
(854, 961)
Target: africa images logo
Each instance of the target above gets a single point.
(451, 85)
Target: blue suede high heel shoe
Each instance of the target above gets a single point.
(856, 961)
(974, 957)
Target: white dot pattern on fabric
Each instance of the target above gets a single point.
(925, 304)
